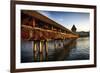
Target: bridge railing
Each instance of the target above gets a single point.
(29, 33)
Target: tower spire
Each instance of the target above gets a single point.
(74, 28)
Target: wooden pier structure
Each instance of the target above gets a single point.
(37, 27)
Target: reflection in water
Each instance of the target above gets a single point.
(58, 50)
(81, 52)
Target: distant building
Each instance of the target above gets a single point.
(73, 28)
(83, 33)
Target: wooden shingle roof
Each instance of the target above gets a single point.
(43, 18)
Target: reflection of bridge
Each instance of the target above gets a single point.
(37, 27)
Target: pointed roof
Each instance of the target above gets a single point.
(73, 27)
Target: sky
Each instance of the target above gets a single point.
(68, 19)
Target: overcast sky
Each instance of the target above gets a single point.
(67, 19)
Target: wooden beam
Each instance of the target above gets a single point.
(34, 51)
(41, 46)
(33, 22)
(46, 47)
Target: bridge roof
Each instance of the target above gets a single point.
(45, 19)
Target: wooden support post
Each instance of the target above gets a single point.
(30, 34)
(34, 50)
(46, 47)
(63, 42)
(41, 57)
(33, 22)
(55, 44)
(41, 46)
(60, 45)
(41, 50)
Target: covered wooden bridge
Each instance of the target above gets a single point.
(37, 27)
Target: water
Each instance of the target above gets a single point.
(80, 51)
(77, 49)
